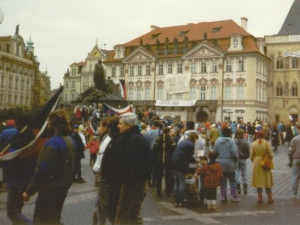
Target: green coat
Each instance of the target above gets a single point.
(260, 178)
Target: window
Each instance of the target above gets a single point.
(170, 68)
(131, 71)
(193, 67)
(160, 69)
(279, 91)
(179, 68)
(2, 81)
(10, 82)
(228, 65)
(240, 92)
(113, 72)
(279, 63)
(130, 94)
(139, 71)
(203, 67)
(148, 70)
(202, 93)
(178, 96)
(67, 84)
(192, 93)
(227, 93)
(73, 84)
(214, 66)
(213, 93)
(122, 71)
(73, 71)
(159, 93)
(147, 93)
(294, 89)
(17, 83)
(138, 94)
(241, 65)
(294, 63)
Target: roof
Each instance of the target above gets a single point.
(78, 64)
(214, 30)
(291, 25)
(217, 34)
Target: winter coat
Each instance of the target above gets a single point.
(213, 135)
(212, 175)
(134, 157)
(200, 143)
(228, 153)
(163, 149)
(93, 146)
(80, 147)
(7, 135)
(261, 178)
(243, 148)
(295, 147)
(55, 165)
(275, 137)
(183, 156)
(289, 134)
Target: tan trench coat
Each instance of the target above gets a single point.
(260, 178)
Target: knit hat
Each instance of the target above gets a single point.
(10, 122)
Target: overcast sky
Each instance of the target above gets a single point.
(64, 31)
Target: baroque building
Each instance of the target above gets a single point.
(21, 82)
(80, 76)
(213, 71)
(284, 50)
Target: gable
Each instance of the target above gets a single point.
(138, 56)
(203, 51)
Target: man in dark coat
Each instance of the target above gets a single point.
(181, 159)
(54, 172)
(134, 161)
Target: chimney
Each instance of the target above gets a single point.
(244, 21)
(153, 27)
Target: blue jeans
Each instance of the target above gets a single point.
(250, 139)
(295, 175)
(14, 207)
(241, 170)
(179, 186)
(231, 177)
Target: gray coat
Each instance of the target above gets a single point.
(228, 153)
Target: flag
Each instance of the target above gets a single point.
(31, 135)
(111, 110)
(123, 88)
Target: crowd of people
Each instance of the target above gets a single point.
(128, 156)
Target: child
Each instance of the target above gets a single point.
(212, 175)
(94, 148)
(201, 163)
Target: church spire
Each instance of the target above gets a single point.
(291, 25)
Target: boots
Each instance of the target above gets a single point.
(245, 188)
(234, 197)
(238, 188)
(223, 195)
(260, 198)
(270, 198)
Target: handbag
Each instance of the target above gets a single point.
(266, 162)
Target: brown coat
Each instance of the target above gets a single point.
(260, 177)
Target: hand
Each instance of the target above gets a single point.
(25, 197)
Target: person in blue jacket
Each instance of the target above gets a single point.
(180, 160)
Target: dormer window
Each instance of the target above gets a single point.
(236, 43)
(119, 51)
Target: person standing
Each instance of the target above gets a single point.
(211, 175)
(134, 167)
(79, 155)
(228, 157)
(213, 135)
(163, 149)
(54, 172)
(243, 154)
(261, 178)
(294, 163)
(275, 137)
(181, 159)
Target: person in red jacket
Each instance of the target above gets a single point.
(94, 149)
(212, 176)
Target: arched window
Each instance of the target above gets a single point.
(294, 89)
(279, 63)
(279, 90)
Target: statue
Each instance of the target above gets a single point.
(17, 29)
(99, 79)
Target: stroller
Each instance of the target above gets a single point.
(191, 190)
